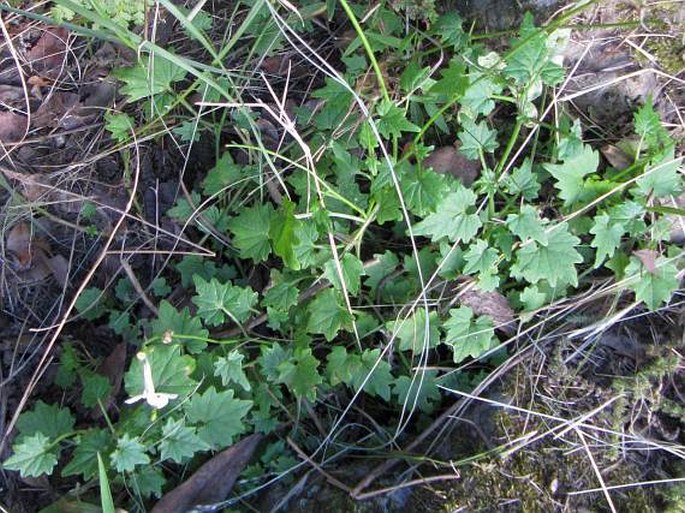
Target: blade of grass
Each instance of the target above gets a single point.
(106, 500)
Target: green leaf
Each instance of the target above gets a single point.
(128, 454)
(250, 231)
(480, 258)
(337, 103)
(282, 296)
(376, 372)
(224, 174)
(477, 98)
(421, 390)
(530, 60)
(607, 237)
(230, 369)
(554, 262)
(649, 127)
(662, 176)
(180, 442)
(203, 267)
(385, 264)
(299, 373)
(653, 288)
(147, 481)
(414, 334)
(466, 336)
(527, 225)
(523, 182)
(352, 271)
(90, 303)
(327, 316)
(217, 301)
(450, 218)
(170, 371)
(218, 416)
(271, 358)
(68, 367)
(392, 121)
(96, 387)
(570, 175)
(185, 329)
(149, 77)
(453, 80)
(532, 298)
(341, 365)
(422, 190)
(120, 125)
(33, 456)
(282, 234)
(449, 28)
(47, 419)
(106, 500)
(87, 446)
(476, 138)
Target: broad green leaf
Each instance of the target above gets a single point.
(91, 303)
(299, 373)
(230, 369)
(453, 80)
(68, 368)
(662, 176)
(570, 175)
(47, 419)
(630, 215)
(87, 446)
(451, 219)
(149, 77)
(147, 481)
(283, 295)
(385, 264)
(392, 121)
(352, 271)
(341, 365)
(170, 371)
(449, 28)
(250, 231)
(653, 288)
(530, 60)
(327, 316)
(468, 336)
(216, 302)
(477, 98)
(376, 372)
(480, 258)
(203, 267)
(532, 298)
(527, 225)
(414, 334)
(184, 328)
(421, 390)
(607, 237)
(649, 127)
(224, 174)
(337, 100)
(476, 138)
(271, 357)
(422, 190)
(129, 453)
(33, 456)
(218, 416)
(96, 388)
(120, 125)
(106, 500)
(554, 262)
(283, 236)
(180, 442)
(522, 181)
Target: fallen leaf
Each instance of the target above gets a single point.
(47, 56)
(648, 258)
(448, 160)
(54, 109)
(34, 188)
(213, 481)
(18, 242)
(12, 127)
(113, 368)
(492, 304)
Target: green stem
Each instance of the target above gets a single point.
(367, 47)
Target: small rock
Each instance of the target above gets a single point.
(448, 160)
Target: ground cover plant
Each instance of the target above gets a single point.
(304, 234)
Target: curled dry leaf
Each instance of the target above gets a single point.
(648, 258)
(448, 160)
(12, 127)
(18, 242)
(492, 303)
(213, 481)
(47, 56)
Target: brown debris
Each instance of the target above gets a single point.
(12, 127)
(448, 160)
(213, 481)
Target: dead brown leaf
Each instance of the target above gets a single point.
(48, 55)
(491, 303)
(18, 242)
(34, 188)
(12, 127)
(648, 258)
(213, 481)
(448, 160)
(53, 109)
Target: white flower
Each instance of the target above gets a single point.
(157, 400)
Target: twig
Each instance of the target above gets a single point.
(332, 480)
